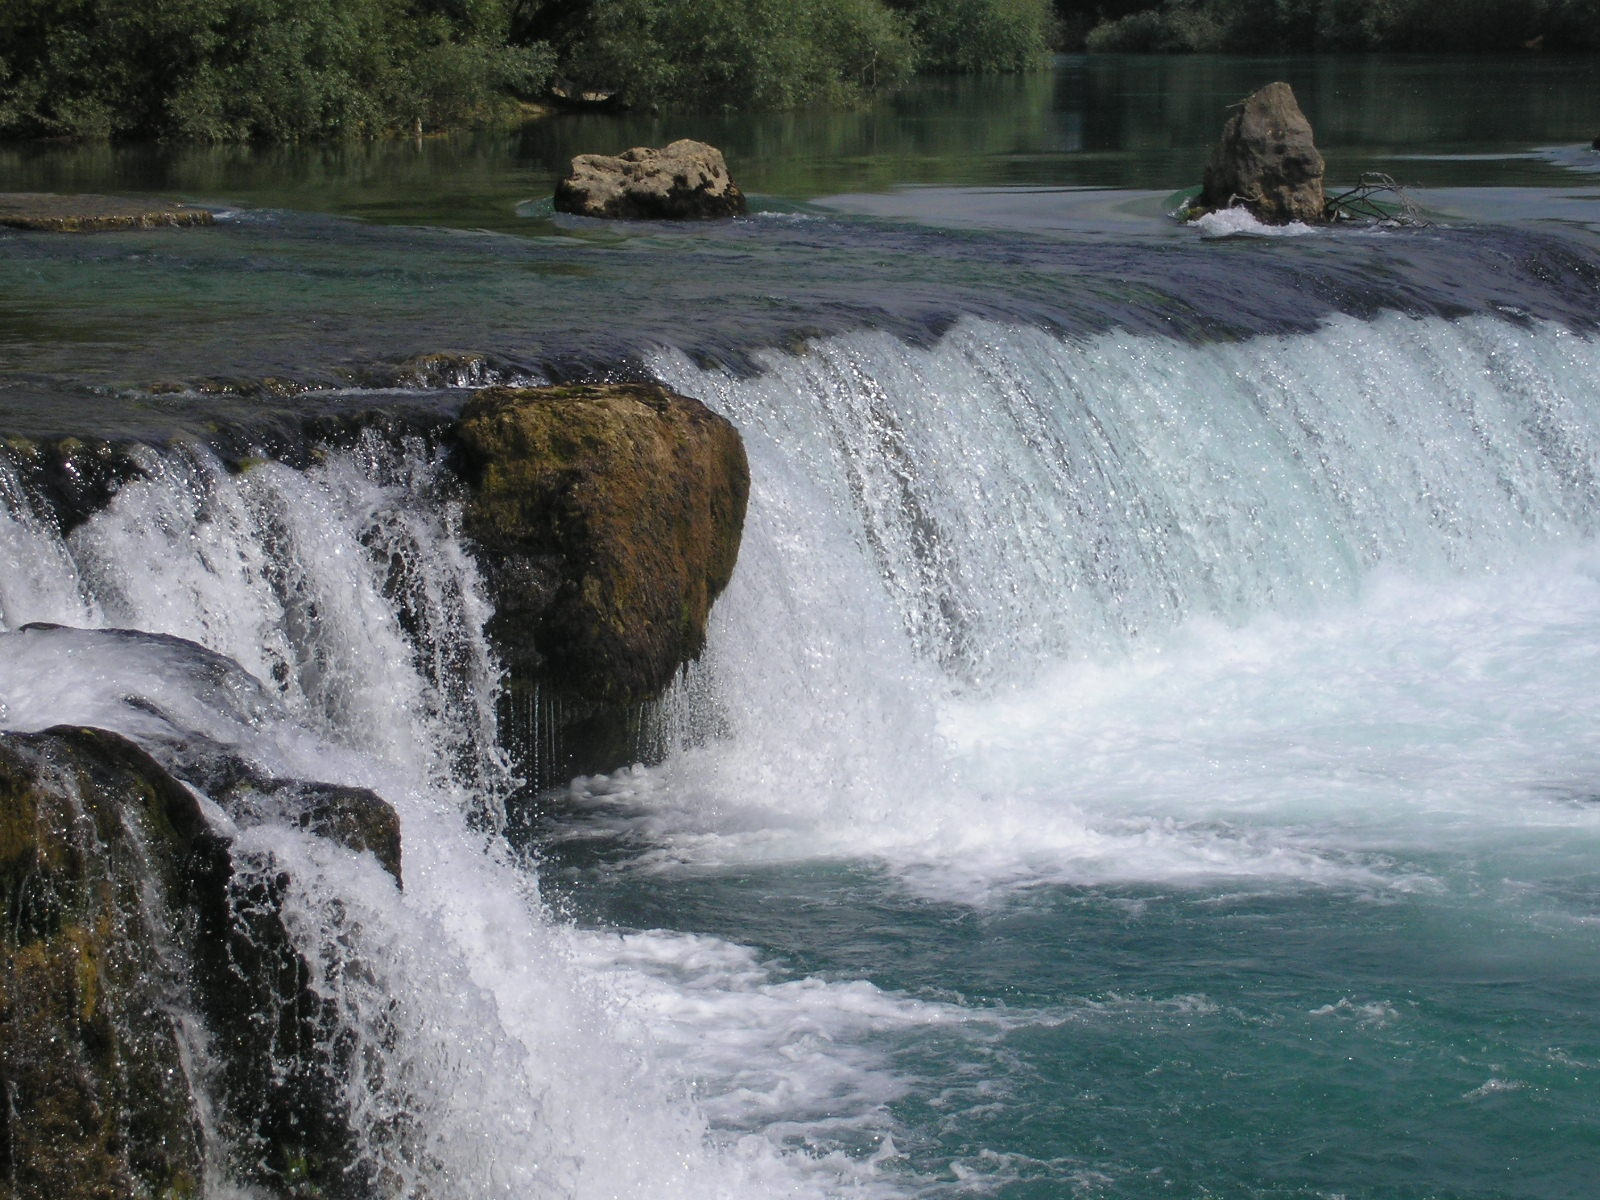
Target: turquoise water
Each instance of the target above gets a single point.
(1136, 1041)
(1148, 748)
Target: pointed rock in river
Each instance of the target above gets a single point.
(684, 180)
(608, 518)
(1267, 161)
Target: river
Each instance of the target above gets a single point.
(1148, 747)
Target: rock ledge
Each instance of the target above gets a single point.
(56, 213)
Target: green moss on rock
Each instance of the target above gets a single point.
(120, 908)
(609, 519)
(95, 844)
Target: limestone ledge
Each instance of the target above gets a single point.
(53, 212)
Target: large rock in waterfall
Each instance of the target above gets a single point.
(97, 845)
(129, 943)
(1267, 161)
(608, 518)
(684, 180)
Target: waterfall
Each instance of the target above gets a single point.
(1020, 498)
(1005, 601)
(974, 573)
(327, 624)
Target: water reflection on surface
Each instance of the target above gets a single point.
(1116, 122)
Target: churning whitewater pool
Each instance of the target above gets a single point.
(1150, 746)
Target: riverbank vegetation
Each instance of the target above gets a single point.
(293, 70)
(1304, 26)
(263, 70)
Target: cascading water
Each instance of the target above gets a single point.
(327, 624)
(1121, 677)
(968, 567)
(1042, 645)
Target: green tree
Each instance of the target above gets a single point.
(968, 36)
(769, 54)
(281, 70)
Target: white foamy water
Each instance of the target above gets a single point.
(1306, 611)
(492, 1049)
(1017, 609)
(1240, 222)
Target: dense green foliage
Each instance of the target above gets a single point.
(286, 70)
(226, 70)
(978, 35)
(781, 53)
(744, 53)
(1253, 26)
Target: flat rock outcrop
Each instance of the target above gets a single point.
(682, 181)
(608, 518)
(58, 213)
(1267, 162)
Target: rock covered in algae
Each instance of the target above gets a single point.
(684, 180)
(1267, 161)
(95, 843)
(70, 213)
(127, 934)
(608, 517)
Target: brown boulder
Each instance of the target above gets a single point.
(1267, 161)
(684, 180)
(608, 519)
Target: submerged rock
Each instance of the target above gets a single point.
(1267, 162)
(56, 213)
(608, 518)
(684, 180)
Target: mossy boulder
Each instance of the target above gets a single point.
(129, 938)
(97, 849)
(608, 518)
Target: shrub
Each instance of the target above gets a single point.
(280, 70)
(1137, 33)
(980, 35)
(770, 54)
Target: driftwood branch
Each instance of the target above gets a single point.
(1377, 197)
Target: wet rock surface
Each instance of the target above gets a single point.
(128, 934)
(97, 849)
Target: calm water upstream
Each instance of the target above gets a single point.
(1149, 748)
